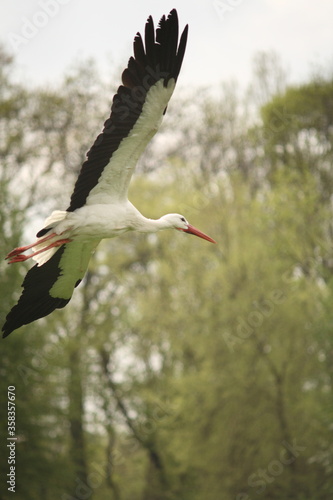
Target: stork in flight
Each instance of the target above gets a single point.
(99, 207)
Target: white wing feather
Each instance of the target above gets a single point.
(73, 265)
(114, 181)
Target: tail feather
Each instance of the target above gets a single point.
(44, 256)
(50, 223)
(55, 217)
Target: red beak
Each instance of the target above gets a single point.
(192, 230)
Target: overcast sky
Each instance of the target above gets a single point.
(48, 35)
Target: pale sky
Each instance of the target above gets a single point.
(47, 36)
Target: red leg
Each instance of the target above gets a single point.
(21, 258)
(20, 250)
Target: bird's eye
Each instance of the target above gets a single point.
(183, 219)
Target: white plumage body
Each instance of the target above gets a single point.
(101, 220)
(86, 224)
(92, 223)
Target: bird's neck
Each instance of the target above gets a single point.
(145, 225)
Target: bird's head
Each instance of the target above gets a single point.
(179, 222)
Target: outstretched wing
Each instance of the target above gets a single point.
(136, 113)
(50, 286)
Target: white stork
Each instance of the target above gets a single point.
(99, 207)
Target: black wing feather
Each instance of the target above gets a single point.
(139, 51)
(150, 41)
(181, 51)
(35, 301)
(158, 60)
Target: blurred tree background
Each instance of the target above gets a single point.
(180, 369)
